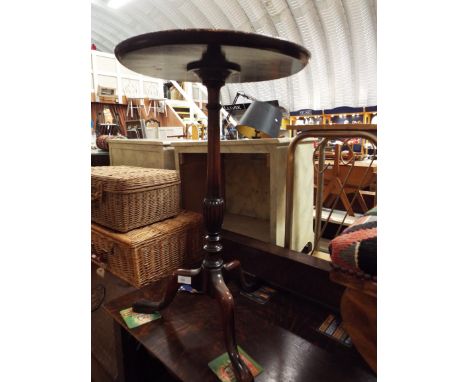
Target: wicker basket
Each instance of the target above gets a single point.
(102, 141)
(150, 253)
(124, 198)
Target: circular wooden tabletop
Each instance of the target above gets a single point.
(165, 54)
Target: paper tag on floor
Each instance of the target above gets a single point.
(184, 280)
(134, 320)
(222, 366)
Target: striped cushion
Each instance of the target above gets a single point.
(355, 249)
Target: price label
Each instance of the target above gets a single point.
(184, 280)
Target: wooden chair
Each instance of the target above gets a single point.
(133, 104)
(337, 181)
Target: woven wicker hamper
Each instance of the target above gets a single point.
(150, 253)
(124, 198)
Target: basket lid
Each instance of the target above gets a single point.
(153, 232)
(127, 178)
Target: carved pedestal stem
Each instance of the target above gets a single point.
(213, 69)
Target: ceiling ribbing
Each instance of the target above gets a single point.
(340, 34)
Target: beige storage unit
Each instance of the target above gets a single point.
(151, 153)
(254, 181)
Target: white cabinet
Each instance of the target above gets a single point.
(107, 72)
(254, 185)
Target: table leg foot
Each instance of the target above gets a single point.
(235, 269)
(226, 302)
(146, 306)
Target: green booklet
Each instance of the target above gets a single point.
(134, 320)
(221, 366)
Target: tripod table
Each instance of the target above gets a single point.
(215, 57)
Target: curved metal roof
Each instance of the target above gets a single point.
(340, 34)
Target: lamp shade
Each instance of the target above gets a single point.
(262, 117)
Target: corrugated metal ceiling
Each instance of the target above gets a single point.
(340, 34)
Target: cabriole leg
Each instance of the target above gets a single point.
(226, 303)
(146, 306)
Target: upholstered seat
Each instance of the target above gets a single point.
(355, 249)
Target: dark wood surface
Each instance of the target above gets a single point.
(280, 335)
(165, 54)
(100, 158)
(294, 271)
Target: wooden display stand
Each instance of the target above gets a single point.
(280, 335)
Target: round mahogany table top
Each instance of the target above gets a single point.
(165, 54)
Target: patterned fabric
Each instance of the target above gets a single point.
(355, 249)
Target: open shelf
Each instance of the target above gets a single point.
(252, 184)
(245, 225)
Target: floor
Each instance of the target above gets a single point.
(301, 318)
(283, 309)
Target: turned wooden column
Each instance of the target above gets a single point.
(213, 69)
(213, 203)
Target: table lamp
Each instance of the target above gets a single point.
(261, 120)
